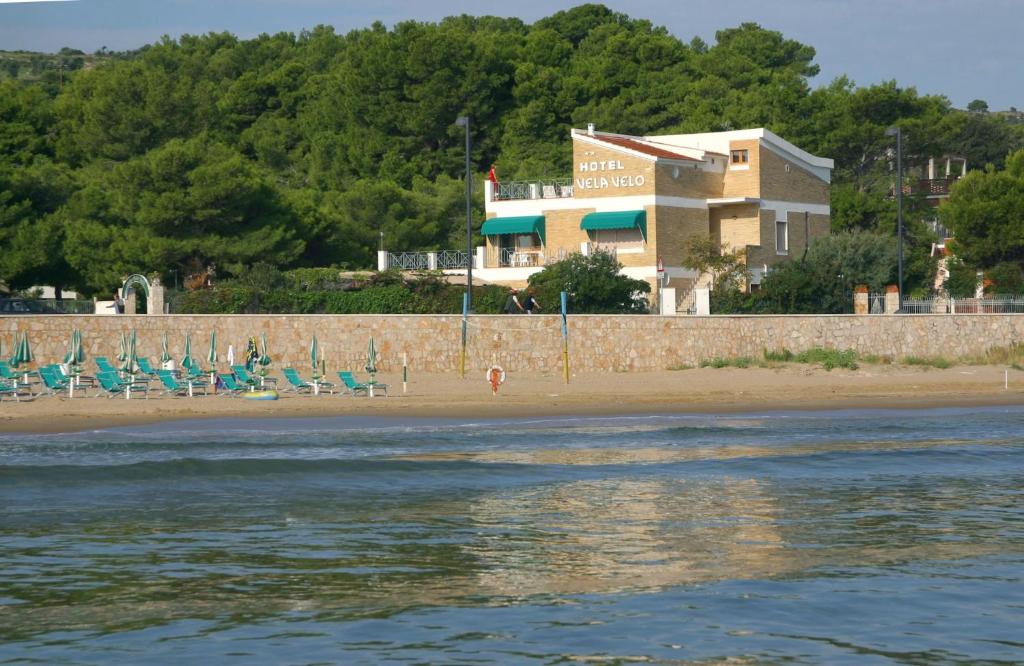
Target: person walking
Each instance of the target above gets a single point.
(118, 304)
(530, 304)
(512, 304)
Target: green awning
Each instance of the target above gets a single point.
(629, 219)
(527, 224)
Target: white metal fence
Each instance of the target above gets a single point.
(408, 261)
(1008, 304)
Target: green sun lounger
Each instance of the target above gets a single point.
(174, 387)
(231, 385)
(354, 386)
(112, 385)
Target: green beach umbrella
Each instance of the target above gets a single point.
(371, 358)
(122, 354)
(211, 358)
(186, 360)
(79, 348)
(314, 354)
(131, 364)
(264, 358)
(165, 355)
(22, 352)
(76, 353)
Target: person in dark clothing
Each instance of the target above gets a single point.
(118, 303)
(530, 304)
(512, 304)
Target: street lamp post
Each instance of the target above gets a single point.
(896, 132)
(463, 121)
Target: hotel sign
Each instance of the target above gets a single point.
(604, 176)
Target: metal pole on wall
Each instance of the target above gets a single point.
(565, 340)
(465, 316)
(898, 133)
(463, 121)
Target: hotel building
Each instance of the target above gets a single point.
(642, 197)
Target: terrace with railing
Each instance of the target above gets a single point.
(428, 261)
(518, 190)
(930, 187)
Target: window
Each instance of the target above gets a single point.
(738, 156)
(623, 237)
(781, 237)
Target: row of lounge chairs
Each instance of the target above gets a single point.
(109, 381)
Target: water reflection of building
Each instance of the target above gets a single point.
(608, 535)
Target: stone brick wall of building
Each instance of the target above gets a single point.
(740, 182)
(631, 168)
(738, 225)
(798, 185)
(690, 183)
(674, 226)
(528, 343)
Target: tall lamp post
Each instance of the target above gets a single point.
(896, 132)
(463, 121)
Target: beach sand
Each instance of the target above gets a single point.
(707, 390)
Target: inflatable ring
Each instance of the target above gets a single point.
(495, 377)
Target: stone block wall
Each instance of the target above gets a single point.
(524, 343)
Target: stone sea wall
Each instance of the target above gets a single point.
(523, 343)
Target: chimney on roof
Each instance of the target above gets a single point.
(590, 129)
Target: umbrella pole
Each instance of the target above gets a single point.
(465, 315)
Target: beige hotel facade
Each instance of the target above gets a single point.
(642, 197)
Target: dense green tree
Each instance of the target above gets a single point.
(986, 213)
(593, 285)
(821, 281)
(145, 160)
(185, 203)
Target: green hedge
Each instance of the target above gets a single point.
(389, 299)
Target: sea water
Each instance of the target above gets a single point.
(831, 537)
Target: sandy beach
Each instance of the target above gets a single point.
(786, 387)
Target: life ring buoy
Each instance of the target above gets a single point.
(495, 377)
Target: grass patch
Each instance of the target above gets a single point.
(1011, 355)
(829, 358)
(783, 356)
(739, 362)
(928, 361)
(875, 359)
(679, 366)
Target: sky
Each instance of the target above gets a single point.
(964, 49)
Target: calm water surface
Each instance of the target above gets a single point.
(843, 537)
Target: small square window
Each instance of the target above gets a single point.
(739, 156)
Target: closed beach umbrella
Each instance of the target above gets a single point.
(165, 354)
(264, 359)
(22, 352)
(131, 363)
(186, 360)
(371, 358)
(314, 354)
(79, 348)
(122, 354)
(231, 355)
(212, 356)
(76, 354)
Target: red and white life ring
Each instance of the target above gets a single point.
(495, 377)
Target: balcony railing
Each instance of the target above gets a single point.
(550, 188)
(520, 257)
(929, 187)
